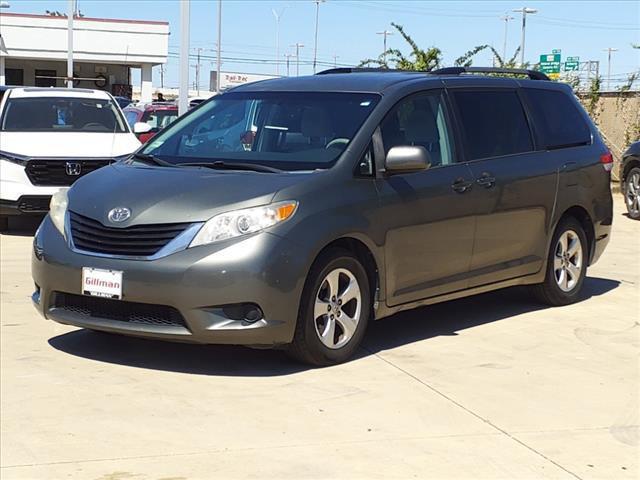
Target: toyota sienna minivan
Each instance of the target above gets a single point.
(329, 201)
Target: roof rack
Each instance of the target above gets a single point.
(532, 74)
(363, 70)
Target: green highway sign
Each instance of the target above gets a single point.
(572, 64)
(550, 63)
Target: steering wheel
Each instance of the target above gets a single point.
(337, 143)
(93, 125)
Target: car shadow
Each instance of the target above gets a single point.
(222, 360)
(23, 226)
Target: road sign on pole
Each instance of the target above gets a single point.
(572, 64)
(550, 64)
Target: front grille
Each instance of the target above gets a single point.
(34, 203)
(61, 172)
(118, 310)
(138, 240)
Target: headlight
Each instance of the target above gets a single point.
(58, 208)
(13, 158)
(243, 222)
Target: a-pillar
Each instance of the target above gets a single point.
(2, 78)
(146, 87)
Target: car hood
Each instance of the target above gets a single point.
(68, 144)
(172, 195)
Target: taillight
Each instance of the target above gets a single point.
(606, 159)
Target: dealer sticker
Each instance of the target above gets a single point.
(102, 283)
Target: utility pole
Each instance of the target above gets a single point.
(183, 96)
(298, 46)
(335, 60)
(506, 17)
(278, 16)
(525, 11)
(198, 72)
(609, 50)
(70, 13)
(162, 75)
(218, 46)
(385, 34)
(315, 45)
(288, 56)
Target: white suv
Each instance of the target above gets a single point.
(49, 137)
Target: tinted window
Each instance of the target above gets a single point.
(132, 117)
(494, 123)
(287, 130)
(419, 121)
(557, 119)
(62, 114)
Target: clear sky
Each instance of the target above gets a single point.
(348, 29)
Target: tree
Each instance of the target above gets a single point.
(418, 59)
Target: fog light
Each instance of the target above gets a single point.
(248, 312)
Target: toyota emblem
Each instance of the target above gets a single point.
(119, 214)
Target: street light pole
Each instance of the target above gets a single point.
(70, 12)
(315, 46)
(277, 16)
(183, 94)
(288, 56)
(609, 51)
(219, 63)
(506, 17)
(385, 34)
(298, 46)
(525, 11)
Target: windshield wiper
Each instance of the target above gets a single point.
(153, 160)
(219, 164)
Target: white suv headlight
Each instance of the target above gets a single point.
(243, 222)
(58, 208)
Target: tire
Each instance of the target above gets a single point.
(315, 342)
(563, 283)
(632, 193)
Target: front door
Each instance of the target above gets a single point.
(429, 216)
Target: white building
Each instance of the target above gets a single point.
(33, 51)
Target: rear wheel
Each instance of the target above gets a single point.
(632, 193)
(566, 265)
(334, 311)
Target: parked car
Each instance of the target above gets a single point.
(49, 138)
(352, 195)
(123, 102)
(630, 180)
(147, 119)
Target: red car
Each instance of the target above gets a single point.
(147, 119)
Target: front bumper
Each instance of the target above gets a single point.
(25, 205)
(262, 269)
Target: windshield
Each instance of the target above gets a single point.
(62, 114)
(286, 130)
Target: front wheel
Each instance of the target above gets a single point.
(334, 310)
(632, 193)
(566, 265)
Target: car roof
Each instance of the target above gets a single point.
(142, 106)
(39, 92)
(371, 80)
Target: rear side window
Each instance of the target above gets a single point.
(557, 119)
(494, 123)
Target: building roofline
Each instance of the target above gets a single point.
(92, 19)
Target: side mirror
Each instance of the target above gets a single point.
(407, 159)
(141, 127)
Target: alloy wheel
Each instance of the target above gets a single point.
(337, 308)
(632, 193)
(568, 261)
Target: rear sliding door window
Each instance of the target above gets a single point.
(557, 119)
(494, 123)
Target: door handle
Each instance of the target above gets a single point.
(461, 185)
(486, 180)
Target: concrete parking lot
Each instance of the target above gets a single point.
(493, 387)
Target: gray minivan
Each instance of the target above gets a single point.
(351, 195)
